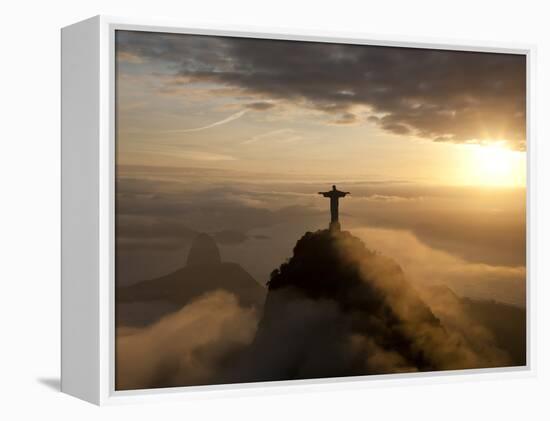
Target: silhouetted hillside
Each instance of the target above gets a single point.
(335, 265)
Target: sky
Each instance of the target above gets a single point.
(313, 108)
(235, 136)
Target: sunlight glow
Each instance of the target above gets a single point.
(496, 165)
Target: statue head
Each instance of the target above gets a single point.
(333, 187)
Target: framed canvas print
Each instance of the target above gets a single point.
(247, 210)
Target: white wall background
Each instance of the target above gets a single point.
(29, 211)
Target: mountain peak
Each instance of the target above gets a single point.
(204, 251)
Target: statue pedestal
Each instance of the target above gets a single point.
(334, 226)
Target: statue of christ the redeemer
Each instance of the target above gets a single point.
(334, 196)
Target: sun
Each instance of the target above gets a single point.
(496, 165)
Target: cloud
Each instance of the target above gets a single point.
(443, 95)
(488, 230)
(261, 237)
(470, 239)
(279, 135)
(371, 321)
(346, 119)
(189, 347)
(229, 119)
(455, 315)
(160, 209)
(260, 106)
(124, 56)
(205, 156)
(387, 198)
(461, 343)
(230, 237)
(159, 212)
(427, 266)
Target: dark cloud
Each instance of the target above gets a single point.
(451, 96)
(346, 118)
(260, 106)
(396, 128)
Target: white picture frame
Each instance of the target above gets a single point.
(88, 162)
